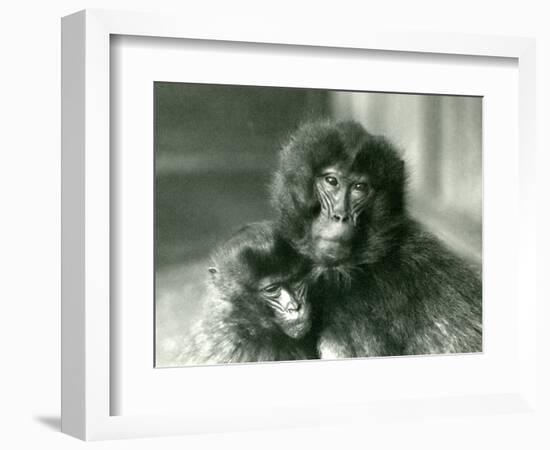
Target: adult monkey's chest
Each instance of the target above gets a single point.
(358, 320)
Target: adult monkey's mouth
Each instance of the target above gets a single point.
(331, 252)
(332, 244)
(331, 230)
(331, 241)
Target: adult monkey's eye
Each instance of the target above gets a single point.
(331, 180)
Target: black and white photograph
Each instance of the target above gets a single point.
(302, 224)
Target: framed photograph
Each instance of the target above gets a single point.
(253, 217)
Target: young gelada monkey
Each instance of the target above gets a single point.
(256, 309)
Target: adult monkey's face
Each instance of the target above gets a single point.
(343, 197)
(339, 194)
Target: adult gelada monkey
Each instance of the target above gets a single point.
(256, 308)
(384, 285)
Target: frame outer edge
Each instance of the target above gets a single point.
(263, 31)
(527, 141)
(97, 227)
(73, 380)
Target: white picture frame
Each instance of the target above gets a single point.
(87, 328)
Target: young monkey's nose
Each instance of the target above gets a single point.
(288, 302)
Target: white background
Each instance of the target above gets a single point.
(30, 88)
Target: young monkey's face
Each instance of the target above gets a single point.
(288, 300)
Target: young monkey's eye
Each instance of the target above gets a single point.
(331, 180)
(273, 290)
(362, 187)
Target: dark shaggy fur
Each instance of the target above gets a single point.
(401, 292)
(237, 325)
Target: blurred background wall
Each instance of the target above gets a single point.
(216, 148)
(440, 139)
